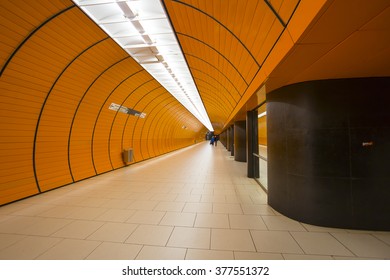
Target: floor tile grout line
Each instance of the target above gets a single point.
(170, 235)
(253, 241)
(377, 238)
(24, 237)
(331, 234)
(54, 245)
(101, 242)
(299, 245)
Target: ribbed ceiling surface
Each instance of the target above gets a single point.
(226, 42)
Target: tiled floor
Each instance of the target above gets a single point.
(196, 203)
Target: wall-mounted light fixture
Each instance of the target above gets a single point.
(142, 28)
(129, 111)
(262, 115)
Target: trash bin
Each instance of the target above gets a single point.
(127, 155)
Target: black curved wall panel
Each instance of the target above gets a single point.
(329, 152)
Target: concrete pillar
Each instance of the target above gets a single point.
(240, 141)
(228, 139)
(252, 144)
(231, 137)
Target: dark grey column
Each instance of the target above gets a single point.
(329, 152)
(222, 138)
(231, 140)
(240, 141)
(228, 139)
(252, 144)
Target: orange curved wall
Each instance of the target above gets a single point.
(59, 74)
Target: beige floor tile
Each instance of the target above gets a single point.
(159, 189)
(115, 251)
(150, 235)
(353, 258)
(146, 217)
(13, 207)
(115, 215)
(96, 201)
(143, 205)
(18, 223)
(181, 190)
(320, 243)
(45, 227)
(192, 185)
(170, 206)
(117, 203)
(60, 211)
(259, 199)
(86, 213)
(78, 229)
(247, 222)
(227, 208)
(178, 219)
(195, 207)
(202, 191)
(188, 198)
(197, 254)
(225, 192)
(70, 249)
(231, 239)
(212, 220)
(245, 200)
(257, 256)
(9, 239)
(118, 195)
(256, 209)
(313, 228)
(282, 223)
(33, 210)
(161, 253)
(306, 257)
(383, 236)
(113, 232)
(164, 197)
(69, 201)
(28, 248)
(4, 218)
(213, 198)
(364, 245)
(275, 242)
(233, 199)
(190, 238)
(145, 196)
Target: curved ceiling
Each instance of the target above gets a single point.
(225, 44)
(240, 46)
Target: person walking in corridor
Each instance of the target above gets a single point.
(215, 137)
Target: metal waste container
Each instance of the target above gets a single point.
(127, 155)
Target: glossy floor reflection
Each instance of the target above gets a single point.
(196, 203)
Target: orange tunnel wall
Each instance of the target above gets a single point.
(57, 82)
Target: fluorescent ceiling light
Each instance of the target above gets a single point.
(142, 28)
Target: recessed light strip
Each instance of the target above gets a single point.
(142, 28)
